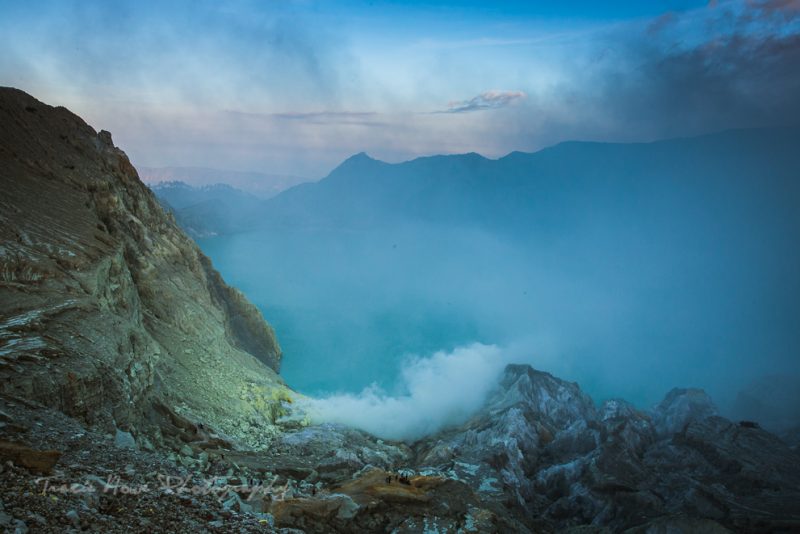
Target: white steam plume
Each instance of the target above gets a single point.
(442, 389)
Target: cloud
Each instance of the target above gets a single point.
(334, 115)
(486, 100)
(434, 395)
(683, 74)
(484, 42)
(354, 118)
(735, 65)
(320, 91)
(788, 9)
(744, 73)
(185, 55)
(661, 22)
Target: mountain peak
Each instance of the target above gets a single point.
(361, 156)
(356, 164)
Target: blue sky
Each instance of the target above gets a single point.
(296, 86)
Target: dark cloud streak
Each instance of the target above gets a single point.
(681, 74)
(354, 118)
(484, 101)
(747, 77)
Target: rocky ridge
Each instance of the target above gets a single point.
(108, 311)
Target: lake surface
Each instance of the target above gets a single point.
(347, 307)
(622, 315)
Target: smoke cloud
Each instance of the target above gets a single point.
(436, 391)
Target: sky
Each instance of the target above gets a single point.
(295, 87)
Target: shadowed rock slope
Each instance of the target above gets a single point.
(108, 311)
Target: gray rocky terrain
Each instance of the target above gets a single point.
(139, 392)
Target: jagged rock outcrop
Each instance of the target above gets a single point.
(541, 448)
(542, 457)
(681, 407)
(108, 311)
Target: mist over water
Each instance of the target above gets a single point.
(344, 328)
(630, 269)
(612, 312)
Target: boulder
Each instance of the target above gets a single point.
(35, 460)
(680, 407)
(124, 440)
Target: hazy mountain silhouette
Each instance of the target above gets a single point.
(735, 173)
(262, 185)
(180, 195)
(203, 211)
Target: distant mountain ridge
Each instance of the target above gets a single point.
(207, 210)
(566, 180)
(259, 184)
(180, 195)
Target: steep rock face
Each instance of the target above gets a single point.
(109, 312)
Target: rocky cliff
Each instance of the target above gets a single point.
(109, 312)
